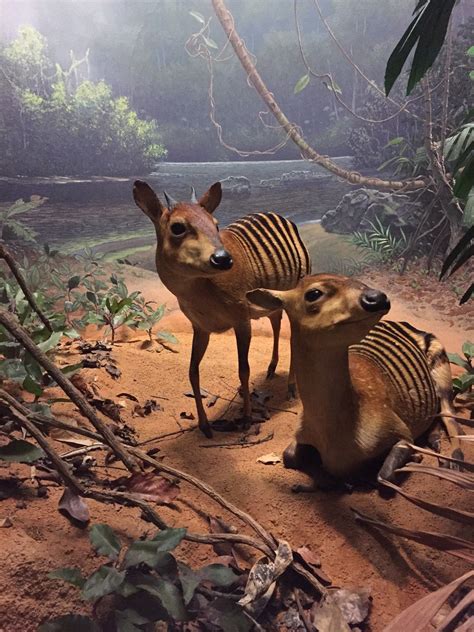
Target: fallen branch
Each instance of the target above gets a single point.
(11, 263)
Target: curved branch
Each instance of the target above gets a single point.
(307, 151)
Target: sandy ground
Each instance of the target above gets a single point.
(397, 571)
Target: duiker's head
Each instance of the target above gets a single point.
(334, 309)
(187, 233)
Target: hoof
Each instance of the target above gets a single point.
(271, 371)
(291, 393)
(205, 428)
(298, 456)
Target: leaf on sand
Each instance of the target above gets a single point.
(5, 523)
(462, 479)
(103, 582)
(190, 394)
(150, 486)
(150, 551)
(128, 396)
(419, 614)
(212, 401)
(269, 459)
(217, 525)
(353, 604)
(265, 572)
(443, 542)
(308, 556)
(328, 617)
(70, 575)
(19, 451)
(104, 541)
(107, 407)
(74, 506)
(70, 623)
(440, 510)
(148, 407)
(185, 415)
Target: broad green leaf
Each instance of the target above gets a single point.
(51, 342)
(104, 541)
(455, 358)
(103, 582)
(230, 615)
(168, 594)
(20, 451)
(189, 581)
(92, 297)
(197, 16)
(166, 336)
(471, 75)
(149, 551)
(468, 349)
(30, 385)
(470, 51)
(127, 620)
(301, 83)
(70, 623)
(73, 282)
(219, 575)
(395, 141)
(70, 575)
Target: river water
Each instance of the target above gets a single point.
(100, 212)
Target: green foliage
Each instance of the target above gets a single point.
(151, 585)
(381, 241)
(426, 32)
(459, 152)
(19, 451)
(14, 228)
(409, 161)
(464, 383)
(71, 127)
(459, 255)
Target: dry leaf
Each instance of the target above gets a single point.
(5, 523)
(419, 614)
(113, 370)
(269, 459)
(441, 510)
(150, 486)
(328, 618)
(185, 415)
(212, 401)
(463, 479)
(128, 396)
(74, 506)
(354, 604)
(441, 541)
(308, 556)
(265, 572)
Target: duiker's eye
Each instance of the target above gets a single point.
(313, 295)
(178, 229)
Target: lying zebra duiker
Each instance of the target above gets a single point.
(210, 272)
(366, 387)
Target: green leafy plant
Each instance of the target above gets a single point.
(464, 382)
(458, 256)
(149, 584)
(380, 240)
(11, 227)
(410, 161)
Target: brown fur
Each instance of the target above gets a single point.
(352, 411)
(213, 300)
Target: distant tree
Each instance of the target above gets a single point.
(60, 123)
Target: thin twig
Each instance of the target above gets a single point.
(240, 443)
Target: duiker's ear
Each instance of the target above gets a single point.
(269, 300)
(147, 200)
(212, 198)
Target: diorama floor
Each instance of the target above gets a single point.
(397, 571)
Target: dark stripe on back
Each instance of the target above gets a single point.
(278, 246)
(255, 230)
(253, 251)
(307, 260)
(282, 226)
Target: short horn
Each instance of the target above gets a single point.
(170, 202)
(193, 196)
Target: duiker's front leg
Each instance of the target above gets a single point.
(292, 391)
(275, 319)
(200, 342)
(243, 335)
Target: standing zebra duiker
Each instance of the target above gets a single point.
(367, 388)
(210, 271)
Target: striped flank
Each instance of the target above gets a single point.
(402, 353)
(274, 248)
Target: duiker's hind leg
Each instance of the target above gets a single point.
(292, 392)
(243, 335)
(200, 342)
(275, 319)
(399, 455)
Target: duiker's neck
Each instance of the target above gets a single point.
(322, 373)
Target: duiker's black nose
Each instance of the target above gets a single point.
(374, 301)
(221, 259)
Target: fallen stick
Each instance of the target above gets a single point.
(238, 444)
